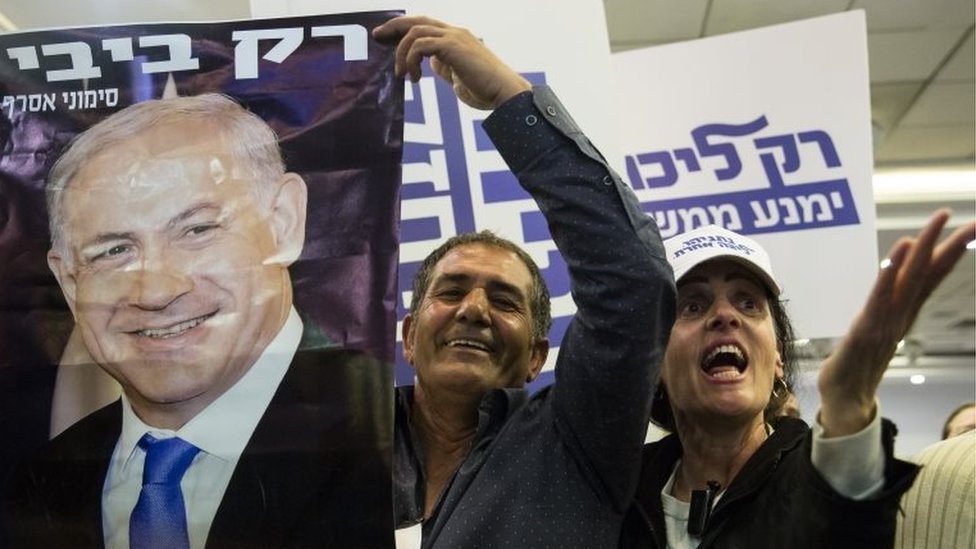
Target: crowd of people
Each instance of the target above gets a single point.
(692, 337)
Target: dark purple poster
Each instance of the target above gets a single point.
(208, 214)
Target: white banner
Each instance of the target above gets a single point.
(768, 133)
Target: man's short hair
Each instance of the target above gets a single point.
(253, 143)
(538, 301)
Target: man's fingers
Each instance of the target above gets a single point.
(479, 78)
(420, 42)
(396, 28)
(413, 33)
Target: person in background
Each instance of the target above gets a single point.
(961, 420)
(940, 507)
(731, 475)
(480, 462)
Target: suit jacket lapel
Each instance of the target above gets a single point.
(88, 479)
(62, 487)
(285, 466)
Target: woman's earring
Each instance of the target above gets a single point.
(781, 385)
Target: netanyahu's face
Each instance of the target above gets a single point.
(175, 273)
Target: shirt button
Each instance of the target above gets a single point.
(531, 120)
(551, 110)
(607, 180)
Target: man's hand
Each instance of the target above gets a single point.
(849, 377)
(479, 78)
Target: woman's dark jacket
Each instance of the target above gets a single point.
(778, 499)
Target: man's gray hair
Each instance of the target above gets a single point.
(253, 144)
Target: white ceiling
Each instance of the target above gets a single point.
(921, 60)
(923, 91)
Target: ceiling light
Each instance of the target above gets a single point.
(6, 24)
(925, 184)
(917, 379)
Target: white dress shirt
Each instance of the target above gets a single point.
(221, 431)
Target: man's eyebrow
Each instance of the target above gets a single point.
(105, 238)
(493, 285)
(190, 212)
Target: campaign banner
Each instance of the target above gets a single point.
(322, 206)
(767, 133)
(454, 181)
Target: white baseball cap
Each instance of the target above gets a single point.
(687, 250)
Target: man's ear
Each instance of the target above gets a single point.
(288, 213)
(65, 278)
(406, 332)
(537, 359)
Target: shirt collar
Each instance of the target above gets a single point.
(223, 428)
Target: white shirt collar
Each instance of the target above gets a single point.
(223, 428)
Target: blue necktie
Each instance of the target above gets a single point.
(159, 517)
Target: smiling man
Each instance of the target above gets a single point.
(480, 462)
(173, 225)
(173, 256)
(479, 318)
